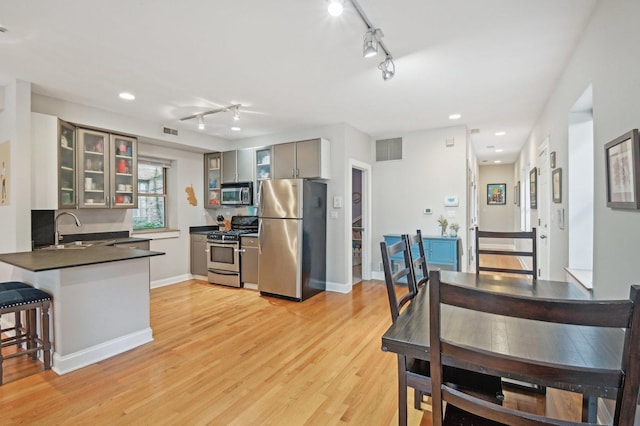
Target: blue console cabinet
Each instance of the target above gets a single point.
(442, 252)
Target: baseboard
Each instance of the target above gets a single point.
(172, 280)
(68, 363)
(338, 287)
(377, 275)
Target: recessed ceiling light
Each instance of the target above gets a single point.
(497, 161)
(454, 116)
(335, 7)
(501, 133)
(499, 150)
(236, 128)
(127, 96)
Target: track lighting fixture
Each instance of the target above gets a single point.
(335, 7)
(235, 108)
(388, 68)
(372, 40)
(370, 47)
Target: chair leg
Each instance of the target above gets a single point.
(417, 399)
(46, 342)
(402, 390)
(31, 332)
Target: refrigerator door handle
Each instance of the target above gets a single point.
(261, 200)
(260, 231)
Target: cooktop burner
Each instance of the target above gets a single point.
(239, 225)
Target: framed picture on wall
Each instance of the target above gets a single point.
(622, 157)
(533, 187)
(557, 185)
(496, 193)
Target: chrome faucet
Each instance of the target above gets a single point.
(56, 237)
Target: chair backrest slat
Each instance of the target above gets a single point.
(623, 381)
(519, 235)
(419, 262)
(403, 277)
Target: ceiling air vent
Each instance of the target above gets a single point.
(169, 131)
(389, 149)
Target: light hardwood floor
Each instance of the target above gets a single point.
(229, 356)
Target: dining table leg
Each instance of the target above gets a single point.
(590, 409)
(402, 390)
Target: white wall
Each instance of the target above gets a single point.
(605, 57)
(428, 172)
(15, 119)
(496, 217)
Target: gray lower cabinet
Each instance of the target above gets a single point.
(142, 245)
(199, 254)
(249, 260)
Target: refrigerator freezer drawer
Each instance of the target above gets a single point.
(279, 257)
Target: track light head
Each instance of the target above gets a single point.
(335, 7)
(370, 47)
(200, 122)
(388, 68)
(236, 113)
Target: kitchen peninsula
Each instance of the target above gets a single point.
(100, 299)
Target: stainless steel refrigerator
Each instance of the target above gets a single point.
(292, 238)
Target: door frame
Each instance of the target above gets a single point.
(544, 210)
(366, 220)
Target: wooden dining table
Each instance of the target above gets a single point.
(556, 343)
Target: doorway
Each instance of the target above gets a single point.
(356, 226)
(359, 223)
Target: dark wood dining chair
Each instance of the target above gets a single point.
(413, 373)
(523, 235)
(419, 262)
(621, 382)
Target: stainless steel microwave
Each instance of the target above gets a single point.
(236, 194)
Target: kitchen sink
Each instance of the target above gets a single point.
(76, 245)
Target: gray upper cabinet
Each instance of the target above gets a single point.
(304, 159)
(237, 166)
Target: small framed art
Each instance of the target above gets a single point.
(622, 157)
(496, 193)
(533, 187)
(556, 178)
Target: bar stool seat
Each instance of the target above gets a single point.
(17, 297)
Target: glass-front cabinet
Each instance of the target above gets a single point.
(66, 165)
(107, 170)
(124, 172)
(263, 169)
(213, 177)
(93, 160)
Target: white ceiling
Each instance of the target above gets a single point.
(291, 65)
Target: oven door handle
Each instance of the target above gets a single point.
(221, 272)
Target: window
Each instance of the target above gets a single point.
(152, 196)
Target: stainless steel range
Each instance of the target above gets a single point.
(223, 261)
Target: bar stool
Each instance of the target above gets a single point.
(17, 297)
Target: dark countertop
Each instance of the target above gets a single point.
(253, 234)
(202, 229)
(45, 260)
